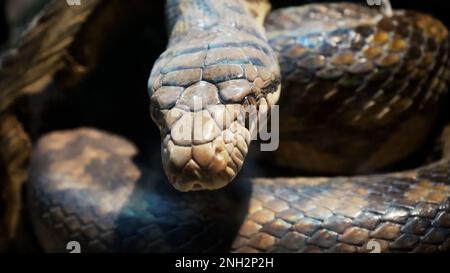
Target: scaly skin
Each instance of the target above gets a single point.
(218, 54)
(85, 186)
(352, 93)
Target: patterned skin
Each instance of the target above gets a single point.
(217, 57)
(351, 93)
(85, 186)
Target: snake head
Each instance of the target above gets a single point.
(203, 115)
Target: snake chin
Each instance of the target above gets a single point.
(202, 148)
(196, 184)
(210, 166)
(206, 165)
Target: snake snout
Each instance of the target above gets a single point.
(205, 167)
(206, 130)
(204, 142)
(204, 149)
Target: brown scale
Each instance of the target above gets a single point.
(374, 89)
(85, 185)
(402, 212)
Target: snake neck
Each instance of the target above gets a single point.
(190, 18)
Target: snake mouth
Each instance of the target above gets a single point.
(205, 149)
(205, 138)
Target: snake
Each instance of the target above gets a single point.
(358, 90)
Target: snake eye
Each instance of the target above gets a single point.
(249, 100)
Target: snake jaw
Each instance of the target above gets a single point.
(204, 140)
(205, 149)
(205, 129)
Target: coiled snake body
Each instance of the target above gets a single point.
(361, 90)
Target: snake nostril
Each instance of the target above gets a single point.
(197, 186)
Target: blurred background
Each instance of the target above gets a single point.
(14, 14)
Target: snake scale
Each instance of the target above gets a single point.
(359, 90)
